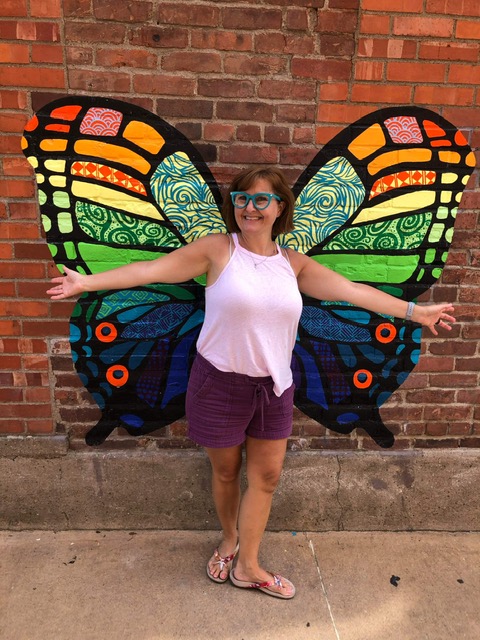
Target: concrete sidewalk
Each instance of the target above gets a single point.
(152, 585)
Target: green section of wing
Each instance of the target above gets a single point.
(407, 232)
(112, 227)
(371, 268)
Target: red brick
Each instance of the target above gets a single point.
(162, 84)
(79, 55)
(49, 53)
(303, 135)
(464, 74)
(448, 51)
(21, 231)
(296, 19)
(334, 91)
(423, 27)
(137, 11)
(245, 155)
(11, 395)
(249, 133)
(159, 37)
(242, 64)
(37, 394)
(24, 211)
(436, 429)
(468, 29)
(121, 57)
(9, 144)
(337, 45)
(254, 18)
(321, 69)
(277, 135)
(471, 331)
(459, 7)
(399, 6)
(459, 429)
(102, 32)
(12, 426)
(77, 8)
(26, 411)
(337, 22)
(221, 40)
(295, 113)
(39, 426)
(45, 8)
(294, 89)
(16, 167)
(34, 77)
(386, 93)
(24, 308)
(15, 53)
(192, 61)
(443, 95)
(218, 131)
(110, 81)
(253, 111)
(14, 8)
(387, 48)
(10, 362)
(416, 72)
(13, 99)
(7, 289)
(325, 133)
(189, 14)
(46, 328)
(369, 70)
(467, 116)
(9, 328)
(452, 348)
(284, 43)
(38, 31)
(226, 88)
(299, 156)
(375, 24)
(344, 4)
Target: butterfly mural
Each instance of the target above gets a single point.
(117, 184)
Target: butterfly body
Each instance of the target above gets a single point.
(118, 184)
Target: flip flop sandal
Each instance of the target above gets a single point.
(277, 581)
(225, 564)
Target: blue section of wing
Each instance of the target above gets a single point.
(314, 390)
(321, 324)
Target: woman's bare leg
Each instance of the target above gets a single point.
(264, 466)
(226, 464)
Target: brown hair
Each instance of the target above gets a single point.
(244, 180)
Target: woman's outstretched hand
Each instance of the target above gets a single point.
(66, 286)
(433, 316)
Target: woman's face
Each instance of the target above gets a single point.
(252, 220)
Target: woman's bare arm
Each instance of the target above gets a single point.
(317, 281)
(181, 265)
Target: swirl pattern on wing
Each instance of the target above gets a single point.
(330, 198)
(402, 233)
(185, 198)
(112, 227)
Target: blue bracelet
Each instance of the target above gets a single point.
(410, 308)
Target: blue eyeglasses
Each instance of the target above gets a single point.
(260, 201)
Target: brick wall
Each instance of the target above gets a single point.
(261, 81)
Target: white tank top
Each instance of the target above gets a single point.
(251, 317)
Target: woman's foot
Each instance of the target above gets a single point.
(271, 583)
(220, 564)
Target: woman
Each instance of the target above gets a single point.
(241, 388)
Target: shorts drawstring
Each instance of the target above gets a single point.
(261, 395)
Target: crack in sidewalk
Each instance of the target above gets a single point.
(312, 549)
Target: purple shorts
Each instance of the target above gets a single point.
(224, 408)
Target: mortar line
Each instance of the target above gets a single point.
(310, 544)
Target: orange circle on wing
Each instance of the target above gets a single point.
(117, 375)
(106, 332)
(362, 384)
(383, 329)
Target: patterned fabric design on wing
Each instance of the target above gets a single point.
(330, 198)
(404, 130)
(113, 227)
(99, 121)
(185, 198)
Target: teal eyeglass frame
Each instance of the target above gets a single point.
(252, 198)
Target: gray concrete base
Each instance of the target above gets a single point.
(319, 491)
(152, 585)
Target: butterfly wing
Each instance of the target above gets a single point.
(378, 205)
(116, 184)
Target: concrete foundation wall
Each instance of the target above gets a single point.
(49, 487)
